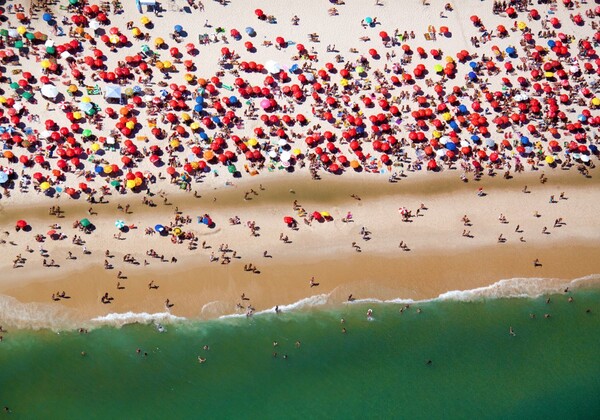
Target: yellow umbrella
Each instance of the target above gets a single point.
(2, 100)
(107, 169)
(114, 39)
(252, 142)
(167, 64)
(86, 99)
(174, 143)
(344, 82)
(449, 59)
(596, 101)
(130, 125)
(159, 41)
(550, 160)
(297, 152)
(145, 20)
(72, 88)
(130, 184)
(188, 77)
(437, 134)
(159, 65)
(447, 116)
(45, 63)
(325, 214)
(96, 146)
(194, 165)
(521, 25)
(21, 30)
(77, 115)
(138, 182)
(549, 75)
(185, 116)
(194, 125)
(44, 185)
(136, 31)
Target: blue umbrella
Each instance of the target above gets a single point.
(490, 143)
(551, 43)
(47, 17)
(249, 30)
(368, 20)
(472, 75)
(3, 177)
(98, 169)
(593, 148)
(233, 100)
(198, 108)
(524, 141)
(473, 64)
(510, 50)
(216, 120)
(203, 135)
(137, 89)
(178, 28)
(199, 99)
(450, 146)
(159, 228)
(462, 109)
(474, 138)
(453, 125)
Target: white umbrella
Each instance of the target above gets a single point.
(49, 91)
(272, 154)
(45, 134)
(86, 106)
(272, 66)
(94, 24)
(285, 156)
(282, 142)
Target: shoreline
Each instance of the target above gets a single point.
(203, 290)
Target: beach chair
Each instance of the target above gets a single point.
(427, 37)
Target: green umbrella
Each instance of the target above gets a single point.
(3, 32)
(50, 50)
(30, 36)
(19, 44)
(27, 95)
(115, 183)
(87, 132)
(73, 2)
(14, 85)
(85, 222)
(231, 169)
(91, 112)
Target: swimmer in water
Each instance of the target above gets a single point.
(510, 331)
(370, 313)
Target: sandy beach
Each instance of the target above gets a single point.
(430, 192)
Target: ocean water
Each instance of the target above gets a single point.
(378, 369)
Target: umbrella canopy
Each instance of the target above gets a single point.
(49, 91)
(120, 224)
(85, 222)
(21, 224)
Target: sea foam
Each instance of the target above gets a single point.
(120, 319)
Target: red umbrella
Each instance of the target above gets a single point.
(288, 220)
(21, 224)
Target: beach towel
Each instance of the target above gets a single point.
(93, 90)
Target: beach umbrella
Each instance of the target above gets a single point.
(120, 224)
(85, 222)
(49, 91)
(46, 17)
(159, 228)
(21, 224)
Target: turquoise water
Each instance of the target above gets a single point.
(550, 369)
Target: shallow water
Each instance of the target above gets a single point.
(550, 369)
